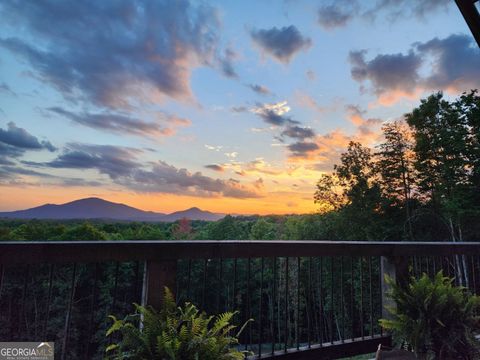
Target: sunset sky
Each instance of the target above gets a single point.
(231, 106)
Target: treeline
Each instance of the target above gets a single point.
(293, 227)
(422, 182)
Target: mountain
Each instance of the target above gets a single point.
(193, 213)
(96, 208)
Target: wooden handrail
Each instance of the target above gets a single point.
(96, 251)
(36, 252)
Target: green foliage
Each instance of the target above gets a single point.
(263, 230)
(434, 317)
(174, 333)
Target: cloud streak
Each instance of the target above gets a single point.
(15, 141)
(123, 166)
(259, 89)
(124, 124)
(340, 13)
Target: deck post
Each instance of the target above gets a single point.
(397, 269)
(157, 275)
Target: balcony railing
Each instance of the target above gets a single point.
(308, 299)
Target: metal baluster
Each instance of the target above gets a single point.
(474, 281)
(49, 300)
(249, 305)
(352, 298)
(137, 281)
(380, 282)
(2, 271)
(447, 260)
(92, 310)
(332, 308)
(297, 316)
(274, 295)
(370, 293)
(219, 290)
(415, 272)
(285, 330)
(115, 287)
(23, 314)
(189, 279)
(204, 286)
(321, 302)
(223, 297)
(69, 313)
(342, 305)
(361, 299)
(235, 262)
(260, 334)
(309, 302)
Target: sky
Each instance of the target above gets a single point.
(230, 106)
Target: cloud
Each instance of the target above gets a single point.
(456, 63)
(387, 73)
(166, 178)
(215, 167)
(334, 16)
(311, 75)
(301, 148)
(239, 109)
(259, 89)
(452, 63)
(226, 63)
(4, 88)
(255, 167)
(14, 141)
(281, 44)
(274, 114)
(327, 148)
(213, 148)
(111, 52)
(340, 13)
(396, 9)
(114, 161)
(12, 174)
(355, 114)
(304, 99)
(123, 166)
(298, 132)
(124, 124)
(231, 155)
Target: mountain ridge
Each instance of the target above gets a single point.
(97, 208)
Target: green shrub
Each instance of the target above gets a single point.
(435, 318)
(174, 333)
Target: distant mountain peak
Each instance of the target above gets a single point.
(98, 208)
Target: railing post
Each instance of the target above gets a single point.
(156, 276)
(397, 269)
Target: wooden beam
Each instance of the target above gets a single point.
(157, 276)
(472, 17)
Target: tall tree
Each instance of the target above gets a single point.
(395, 164)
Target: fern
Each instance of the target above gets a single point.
(435, 318)
(174, 333)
